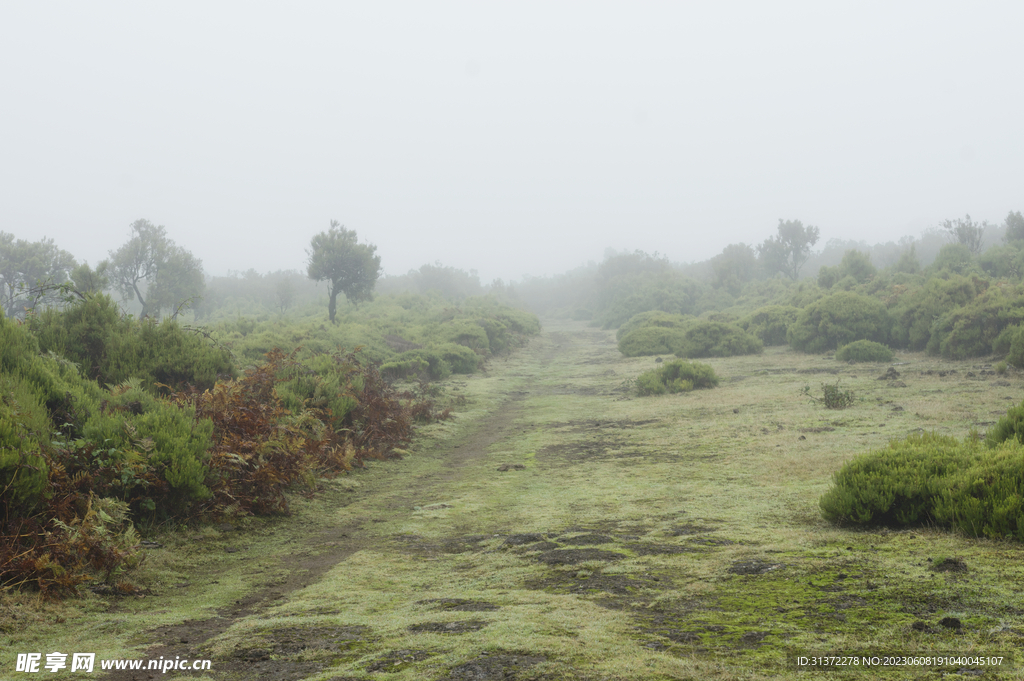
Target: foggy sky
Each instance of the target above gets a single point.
(513, 138)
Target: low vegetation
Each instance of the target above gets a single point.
(110, 423)
(717, 339)
(676, 376)
(864, 351)
(930, 479)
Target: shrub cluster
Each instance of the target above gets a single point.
(111, 348)
(934, 479)
(839, 319)
(675, 377)
(770, 323)
(717, 339)
(79, 463)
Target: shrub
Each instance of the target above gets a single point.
(770, 323)
(1008, 427)
(163, 438)
(655, 318)
(111, 348)
(833, 397)
(437, 368)
(461, 359)
(651, 340)
(675, 377)
(986, 497)
(917, 309)
(972, 330)
(899, 484)
(864, 351)
(717, 339)
(839, 319)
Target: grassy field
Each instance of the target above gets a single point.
(562, 528)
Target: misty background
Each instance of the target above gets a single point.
(518, 139)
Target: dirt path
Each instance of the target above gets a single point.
(307, 561)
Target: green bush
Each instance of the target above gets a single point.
(23, 424)
(955, 258)
(717, 339)
(675, 377)
(111, 348)
(651, 340)
(839, 319)
(929, 478)
(461, 359)
(915, 311)
(325, 382)
(655, 318)
(437, 368)
(864, 351)
(986, 498)
(1008, 427)
(770, 323)
(899, 484)
(173, 441)
(977, 328)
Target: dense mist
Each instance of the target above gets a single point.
(515, 140)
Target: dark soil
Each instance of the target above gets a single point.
(576, 556)
(753, 567)
(588, 540)
(492, 667)
(449, 627)
(397, 660)
(460, 605)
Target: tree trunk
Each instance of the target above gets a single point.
(332, 306)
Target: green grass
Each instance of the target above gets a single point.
(693, 490)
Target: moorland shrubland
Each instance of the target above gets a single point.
(223, 392)
(109, 423)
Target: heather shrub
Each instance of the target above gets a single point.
(1009, 427)
(986, 497)
(916, 310)
(717, 339)
(972, 330)
(655, 318)
(461, 359)
(898, 484)
(770, 323)
(864, 351)
(839, 319)
(166, 438)
(111, 348)
(934, 479)
(651, 340)
(676, 376)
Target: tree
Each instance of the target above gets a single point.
(1014, 227)
(31, 273)
(155, 270)
(348, 267)
(733, 267)
(89, 280)
(964, 231)
(789, 249)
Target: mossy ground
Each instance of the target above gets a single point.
(669, 537)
